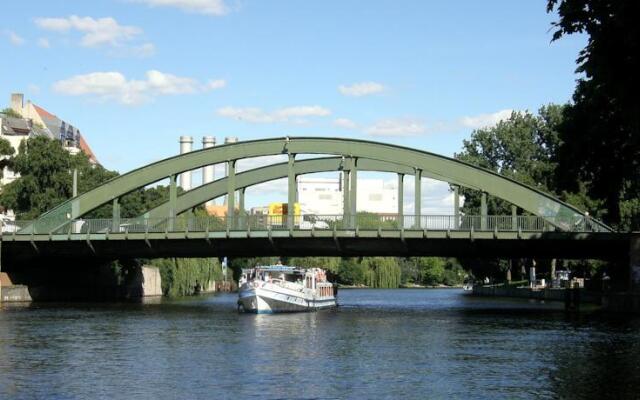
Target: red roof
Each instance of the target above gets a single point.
(84, 146)
(44, 113)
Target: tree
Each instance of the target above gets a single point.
(522, 147)
(10, 112)
(45, 169)
(6, 150)
(600, 135)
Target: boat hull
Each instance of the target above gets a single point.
(265, 301)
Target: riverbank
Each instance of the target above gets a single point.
(405, 286)
(618, 302)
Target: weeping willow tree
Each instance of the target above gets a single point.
(382, 272)
(187, 276)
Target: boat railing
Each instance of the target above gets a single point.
(286, 284)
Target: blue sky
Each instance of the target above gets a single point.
(133, 75)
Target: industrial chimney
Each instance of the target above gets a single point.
(186, 145)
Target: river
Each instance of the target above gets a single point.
(414, 344)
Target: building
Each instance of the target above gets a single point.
(36, 121)
(324, 196)
(52, 126)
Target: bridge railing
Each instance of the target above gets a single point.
(388, 222)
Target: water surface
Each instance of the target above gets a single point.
(378, 344)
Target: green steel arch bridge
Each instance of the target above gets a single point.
(550, 228)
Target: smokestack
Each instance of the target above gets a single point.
(228, 140)
(17, 102)
(208, 172)
(186, 145)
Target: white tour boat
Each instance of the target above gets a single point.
(281, 288)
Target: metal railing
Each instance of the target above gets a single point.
(493, 223)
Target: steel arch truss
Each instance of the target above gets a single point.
(353, 155)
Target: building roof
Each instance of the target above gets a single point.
(15, 126)
(84, 146)
(58, 128)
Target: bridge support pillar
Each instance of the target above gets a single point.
(483, 211)
(417, 201)
(291, 192)
(231, 191)
(400, 201)
(346, 194)
(353, 209)
(173, 201)
(115, 215)
(241, 211)
(456, 207)
(634, 263)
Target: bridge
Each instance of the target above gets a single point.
(550, 228)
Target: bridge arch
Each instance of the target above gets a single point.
(422, 162)
(256, 176)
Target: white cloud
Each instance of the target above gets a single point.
(345, 123)
(44, 43)
(256, 115)
(115, 86)
(396, 127)
(485, 120)
(361, 89)
(277, 187)
(207, 7)
(246, 164)
(145, 50)
(15, 39)
(216, 84)
(96, 32)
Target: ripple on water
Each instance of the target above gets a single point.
(378, 344)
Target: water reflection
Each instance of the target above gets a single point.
(378, 344)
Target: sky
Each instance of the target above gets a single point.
(134, 75)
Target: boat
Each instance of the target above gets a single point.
(282, 288)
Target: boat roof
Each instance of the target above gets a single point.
(277, 267)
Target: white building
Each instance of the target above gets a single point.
(320, 196)
(324, 196)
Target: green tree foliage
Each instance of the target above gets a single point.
(45, 169)
(187, 276)
(10, 112)
(601, 129)
(383, 272)
(523, 148)
(352, 272)
(6, 150)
